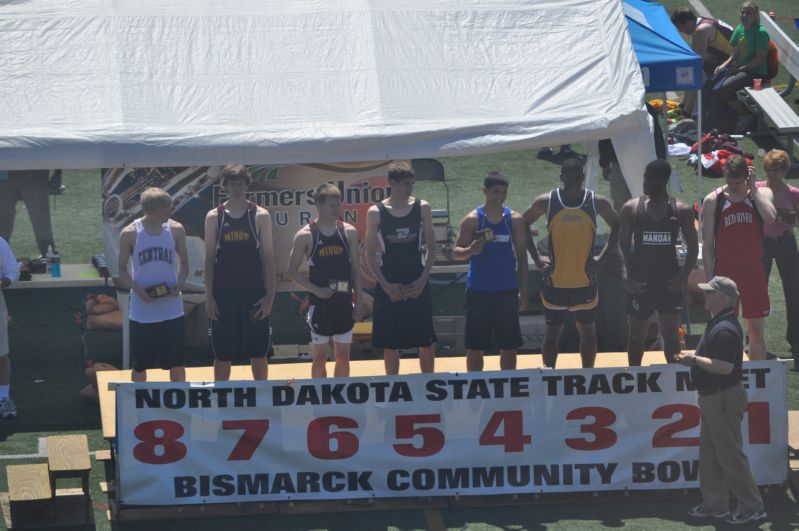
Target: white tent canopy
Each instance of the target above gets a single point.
(109, 83)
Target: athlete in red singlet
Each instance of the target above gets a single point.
(732, 230)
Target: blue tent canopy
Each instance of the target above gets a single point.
(667, 62)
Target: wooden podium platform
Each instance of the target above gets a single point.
(300, 371)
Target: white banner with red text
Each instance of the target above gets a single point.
(430, 435)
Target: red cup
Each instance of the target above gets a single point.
(758, 83)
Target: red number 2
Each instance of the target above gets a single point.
(689, 418)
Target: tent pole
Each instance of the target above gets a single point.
(699, 153)
(665, 130)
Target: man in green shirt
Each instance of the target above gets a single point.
(750, 44)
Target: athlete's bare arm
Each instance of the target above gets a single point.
(416, 287)
(127, 241)
(466, 244)
(537, 209)
(708, 228)
(764, 199)
(179, 235)
(688, 228)
(353, 241)
(300, 250)
(626, 230)
(263, 223)
(520, 232)
(607, 213)
(211, 221)
(372, 229)
(703, 34)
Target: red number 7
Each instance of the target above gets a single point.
(254, 433)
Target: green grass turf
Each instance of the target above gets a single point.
(46, 346)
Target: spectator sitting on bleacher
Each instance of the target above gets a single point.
(748, 62)
(710, 38)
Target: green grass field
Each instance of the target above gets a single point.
(48, 359)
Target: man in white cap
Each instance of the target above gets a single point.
(716, 374)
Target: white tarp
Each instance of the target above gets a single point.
(111, 83)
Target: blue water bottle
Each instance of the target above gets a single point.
(55, 270)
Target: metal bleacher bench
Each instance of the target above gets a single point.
(782, 120)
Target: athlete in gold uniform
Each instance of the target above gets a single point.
(569, 272)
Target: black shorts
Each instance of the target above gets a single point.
(331, 317)
(235, 335)
(657, 297)
(581, 301)
(405, 324)
(157, 344)
(492, 312)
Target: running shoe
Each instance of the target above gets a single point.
(7, 409)
(701, 512)
(745, 518)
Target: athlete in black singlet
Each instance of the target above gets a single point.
(403, 307)
(239, 278)
(654, 282)
(331, 247)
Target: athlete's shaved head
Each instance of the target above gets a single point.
(571, 171)
(658, 168)
(656, 176)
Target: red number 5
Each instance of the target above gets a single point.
(432, 438)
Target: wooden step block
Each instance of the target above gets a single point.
(28, 483)
(68, 453)
(793, 429)
(102, 455)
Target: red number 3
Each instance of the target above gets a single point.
(603, 436)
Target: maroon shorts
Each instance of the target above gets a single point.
(752, 285)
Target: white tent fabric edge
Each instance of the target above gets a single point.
(93, 87)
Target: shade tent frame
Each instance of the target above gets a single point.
(671, 63)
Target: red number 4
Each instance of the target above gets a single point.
(513, 437)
